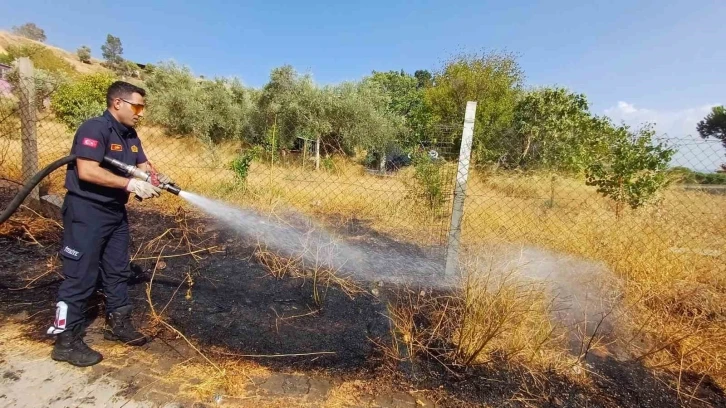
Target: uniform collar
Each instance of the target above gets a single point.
(120, 128)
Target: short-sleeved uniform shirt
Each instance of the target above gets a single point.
(98, 137)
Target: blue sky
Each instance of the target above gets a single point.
(635, 60)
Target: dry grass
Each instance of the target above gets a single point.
(670, 257)
(493, 315)
(8, 39)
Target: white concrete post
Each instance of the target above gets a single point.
(462, 175)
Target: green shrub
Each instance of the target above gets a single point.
(429, 176)
(633, 171)
(211, 111)
(77, 101)
(84, 54)
(241, 164)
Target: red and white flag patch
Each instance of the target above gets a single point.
(89, 142)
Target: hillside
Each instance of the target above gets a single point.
(7, 39)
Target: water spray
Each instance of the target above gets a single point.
(126, 169)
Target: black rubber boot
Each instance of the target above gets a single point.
(120, 328)
(70, 347)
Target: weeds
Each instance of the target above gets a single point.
(492, 314)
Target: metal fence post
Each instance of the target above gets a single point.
(28, 124)
(462, 175)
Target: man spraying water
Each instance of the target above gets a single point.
(95, 224)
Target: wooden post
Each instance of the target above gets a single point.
(462, 175)
(28, 124)
(317, 153)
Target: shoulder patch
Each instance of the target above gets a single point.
(89, 142)
(116, 147)
(134, 148)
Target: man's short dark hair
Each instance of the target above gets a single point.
(121, 89)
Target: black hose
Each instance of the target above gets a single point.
(30, 185)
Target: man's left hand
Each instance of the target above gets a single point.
(164, 179)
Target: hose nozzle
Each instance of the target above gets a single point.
(133, 171)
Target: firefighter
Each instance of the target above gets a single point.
(95, 245)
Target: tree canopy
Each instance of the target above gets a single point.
(714, 124)
(31, 31)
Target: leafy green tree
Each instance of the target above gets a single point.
(30, 30)
(634, 169)
(424, 79)
(112, 52)
(290, 106)
(84, 54)
(714, 124)
(77, 101)
(494, 81)
(210, 110)
(552, 129)
(406, 99)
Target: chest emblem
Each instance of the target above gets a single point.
(135, 149)
(116, 147)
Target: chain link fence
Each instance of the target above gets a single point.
(408, 194)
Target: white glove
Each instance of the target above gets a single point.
(142, 189)
(164, 179)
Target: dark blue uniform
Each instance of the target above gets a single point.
(95, 223)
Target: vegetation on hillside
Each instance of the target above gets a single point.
(31, 31)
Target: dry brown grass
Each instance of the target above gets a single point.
(670, 257)
(494, 314)
(8, 39)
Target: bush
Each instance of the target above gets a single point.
(211, 111)
(84, 54)
(80, 100)
(241, 164)
(685, 175)
(633, 171)
(428, 173)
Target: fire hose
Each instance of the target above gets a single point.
(127, 169)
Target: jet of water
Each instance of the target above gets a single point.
(317, 247)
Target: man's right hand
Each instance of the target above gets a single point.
(142, 189)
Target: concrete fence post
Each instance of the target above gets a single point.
(462, 175)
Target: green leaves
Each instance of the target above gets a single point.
(714, 125)
(75, 102)
(84, 54)
(551, 129)
(112, 52)
(494, 81)
(634, 169)
(210, 110)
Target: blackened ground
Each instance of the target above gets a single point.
(235, 307)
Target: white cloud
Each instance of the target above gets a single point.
(679, 128)
(673, 124)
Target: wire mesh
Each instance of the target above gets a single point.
(408, 193)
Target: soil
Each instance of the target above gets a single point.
(236, 307)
